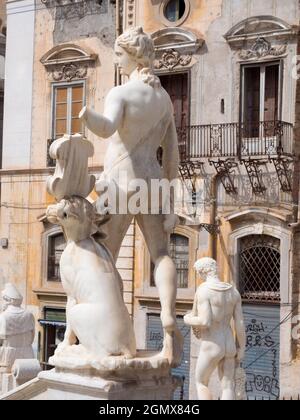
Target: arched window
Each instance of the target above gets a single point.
(260, 268)
(179, 249)
(56, 246)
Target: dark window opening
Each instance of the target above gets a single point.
(56, 247)
(260, 269)
(175, 10)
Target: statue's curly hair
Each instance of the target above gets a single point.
(140, 46)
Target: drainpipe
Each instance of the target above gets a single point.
(119, 30)
(213, 238)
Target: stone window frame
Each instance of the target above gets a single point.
(179, 22)
(46, 237)
(144, 261)
(278, 44)
(66, 64)
(242, 229)
(54, 86)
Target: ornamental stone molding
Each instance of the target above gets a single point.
(171, 59)
(262, 48)
(176, 38)
(68, 9)
(130, 13)
(69, 72)
(261, 36)
(66, 63)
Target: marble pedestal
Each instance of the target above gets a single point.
(136, 379)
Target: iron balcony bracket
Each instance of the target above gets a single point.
(255, 174)
(284, 172)
(210, 228)
(226, 170)
(189, 173)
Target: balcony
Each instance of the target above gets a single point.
(236, 140)
(226, 146)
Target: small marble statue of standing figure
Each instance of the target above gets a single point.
(139, 118)
(216, 305)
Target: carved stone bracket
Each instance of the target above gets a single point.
(171, 59)
(255, 174)
(262, 48)
(226, 169)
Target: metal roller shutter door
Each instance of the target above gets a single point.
(262, 361)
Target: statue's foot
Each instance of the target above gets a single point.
(173, 347)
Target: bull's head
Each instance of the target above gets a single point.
(78, 218)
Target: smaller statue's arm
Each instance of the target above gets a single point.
(240, 329)
(107, 124)
(203, 319)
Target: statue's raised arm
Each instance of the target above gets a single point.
(107, 124)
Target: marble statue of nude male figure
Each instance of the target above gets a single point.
(139, 118)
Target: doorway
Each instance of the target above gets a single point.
(177, 86)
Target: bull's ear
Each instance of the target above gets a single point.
(101, 219)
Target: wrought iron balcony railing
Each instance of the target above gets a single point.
(241, 140)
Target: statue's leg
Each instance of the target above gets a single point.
(206, 365)
(226, 373)
(116, 230)
(165, 276)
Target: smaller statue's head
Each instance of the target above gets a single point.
(11, 296)
(134, 49)
(77, 216)
(206, 267)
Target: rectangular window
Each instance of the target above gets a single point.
(56, 246)
(68, 102)
(260, 99)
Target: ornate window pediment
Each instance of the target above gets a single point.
(178, 38)
(68, 62)
(261, 36)
(175, 48)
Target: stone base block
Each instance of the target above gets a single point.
(138, 379)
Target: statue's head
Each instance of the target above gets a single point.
(206, 267)
(77, 216)
(134, 49)
(11, 296)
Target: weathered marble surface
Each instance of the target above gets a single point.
(139, 118)
(216, 306)
(147, 377)
(17, 329)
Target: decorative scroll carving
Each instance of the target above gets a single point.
(171, 59)
(71, 177)
(262, 48)
(69, 72)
